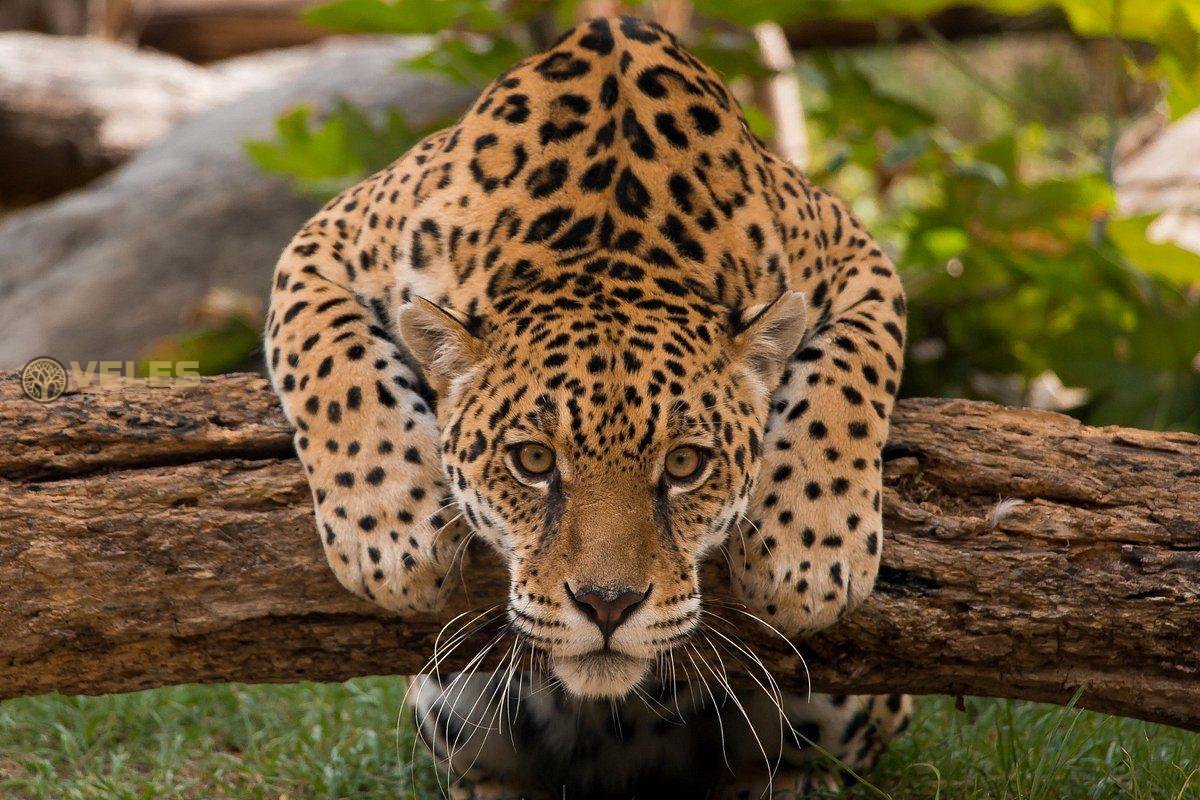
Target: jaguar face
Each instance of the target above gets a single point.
(603, 452)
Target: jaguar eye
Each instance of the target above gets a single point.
(533, 460)
(685, 463)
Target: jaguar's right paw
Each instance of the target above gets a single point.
(389, 558)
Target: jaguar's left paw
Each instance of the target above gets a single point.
(796, 583)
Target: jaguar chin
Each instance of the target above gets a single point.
(600, 674)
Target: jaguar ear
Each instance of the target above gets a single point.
(765, 336)
(441, 340)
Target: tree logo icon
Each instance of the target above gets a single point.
(44, 379)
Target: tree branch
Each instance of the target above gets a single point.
(164, 535)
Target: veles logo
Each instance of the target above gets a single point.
(45, 379)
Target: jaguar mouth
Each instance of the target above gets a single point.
(600, 673)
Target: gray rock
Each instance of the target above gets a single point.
(100, 273)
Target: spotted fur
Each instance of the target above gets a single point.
(601, 259)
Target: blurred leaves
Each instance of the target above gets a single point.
(324, 157)
(1164, 260)
(990, 191)
(1014, 264)
(405, 16)
(474, 63)
(1171, 25)
(221, 332)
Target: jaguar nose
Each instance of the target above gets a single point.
(607, 608)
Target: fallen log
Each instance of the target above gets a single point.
(152, 536)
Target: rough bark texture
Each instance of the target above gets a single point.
(164, 535)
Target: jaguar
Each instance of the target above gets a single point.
(597, 325)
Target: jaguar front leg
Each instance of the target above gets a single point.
(811, 548)
(364, 433)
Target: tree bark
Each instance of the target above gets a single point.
(151, 536)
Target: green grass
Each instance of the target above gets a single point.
(1011, 750)
(310, 742)
(230, 741)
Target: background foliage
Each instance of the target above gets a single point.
(993, 194)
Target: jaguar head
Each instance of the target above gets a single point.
(603, 449)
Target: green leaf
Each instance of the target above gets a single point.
(470, 63)
(1183, 85)
(906, 149)
(311, 154)
(1163, 260)
(983, 170)
(945, 243)
(856, 109)
(324, 158)
(731, 56)
(228, 347)
(405, 16)
(759, 122)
